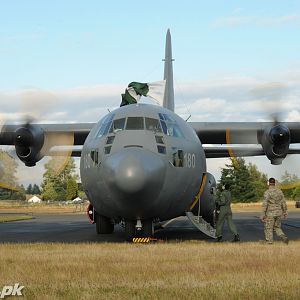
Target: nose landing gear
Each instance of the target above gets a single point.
(138, 228)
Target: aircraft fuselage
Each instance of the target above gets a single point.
(142, 161)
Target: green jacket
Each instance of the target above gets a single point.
(224, 202)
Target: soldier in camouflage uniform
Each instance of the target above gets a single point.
(273, 210)
(225, 214)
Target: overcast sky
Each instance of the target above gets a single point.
(234, 60)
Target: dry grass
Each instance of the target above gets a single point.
(188, 270)
(256, 207)
(14, 218)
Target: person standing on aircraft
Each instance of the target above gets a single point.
(223, 203)
(273, 210)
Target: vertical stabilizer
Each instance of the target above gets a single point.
(168, 75)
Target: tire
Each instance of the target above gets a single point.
(297, 204)
(148, 228)
(103, 225)
(130, 231)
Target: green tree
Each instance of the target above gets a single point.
(296, 193)
(247, 184)
(259, 181)
(36, 190)
(8, 179)
(29, 189)
(56, 177)
(287, 180)
(72, 189)
(20, 194)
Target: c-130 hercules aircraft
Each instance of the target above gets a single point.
(142, 163)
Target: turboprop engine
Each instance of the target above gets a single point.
(29, 141)
(275, 141)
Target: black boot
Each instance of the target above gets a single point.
(236, 238)
(219, 239)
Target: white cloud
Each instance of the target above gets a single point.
(294, 116)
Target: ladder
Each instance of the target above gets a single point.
(201, 224)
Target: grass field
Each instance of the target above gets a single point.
(185, 270)
(13, 218)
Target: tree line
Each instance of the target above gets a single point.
(248, 184)
(57, 185)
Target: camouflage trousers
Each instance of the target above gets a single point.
(273, 224)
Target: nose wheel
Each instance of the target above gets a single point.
(131, 229)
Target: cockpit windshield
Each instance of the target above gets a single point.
(152, 124)
(117, 125)
(169, 125)
(135, 123)
(105, 125)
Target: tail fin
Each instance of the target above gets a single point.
(168, 75)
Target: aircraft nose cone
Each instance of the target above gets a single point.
(131, 174)
(134, 170)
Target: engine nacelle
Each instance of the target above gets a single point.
(275, 142)
(29, 140)
(207, 201)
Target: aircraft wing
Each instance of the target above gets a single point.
(80, 131)
(219, 152)
(272, 139)
(34, 141)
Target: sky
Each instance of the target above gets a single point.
(234, 60)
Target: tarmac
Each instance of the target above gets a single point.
(75, 228)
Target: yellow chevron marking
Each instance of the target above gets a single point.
(197, 198)
(141, 240)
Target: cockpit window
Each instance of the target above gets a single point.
(135, 123)
(168, 118)
(106, 123)
(173, 130)
(117, 125)
(169, 126)
(152, 124)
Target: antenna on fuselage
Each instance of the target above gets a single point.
(168, 74)
(188, 118)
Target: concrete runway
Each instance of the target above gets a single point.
(74, 228)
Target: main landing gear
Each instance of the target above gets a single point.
(139, 228)
(103, 224)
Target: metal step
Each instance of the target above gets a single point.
(201, 224)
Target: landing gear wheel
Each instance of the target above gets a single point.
(148, 228)
(103, 224)
(130, 230)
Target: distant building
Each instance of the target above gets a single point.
(34, 199)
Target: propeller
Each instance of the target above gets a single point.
(276, 138)
(29, 139)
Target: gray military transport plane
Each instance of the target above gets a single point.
(142, 164)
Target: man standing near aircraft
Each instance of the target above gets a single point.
(223, 203)
(273, 209)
